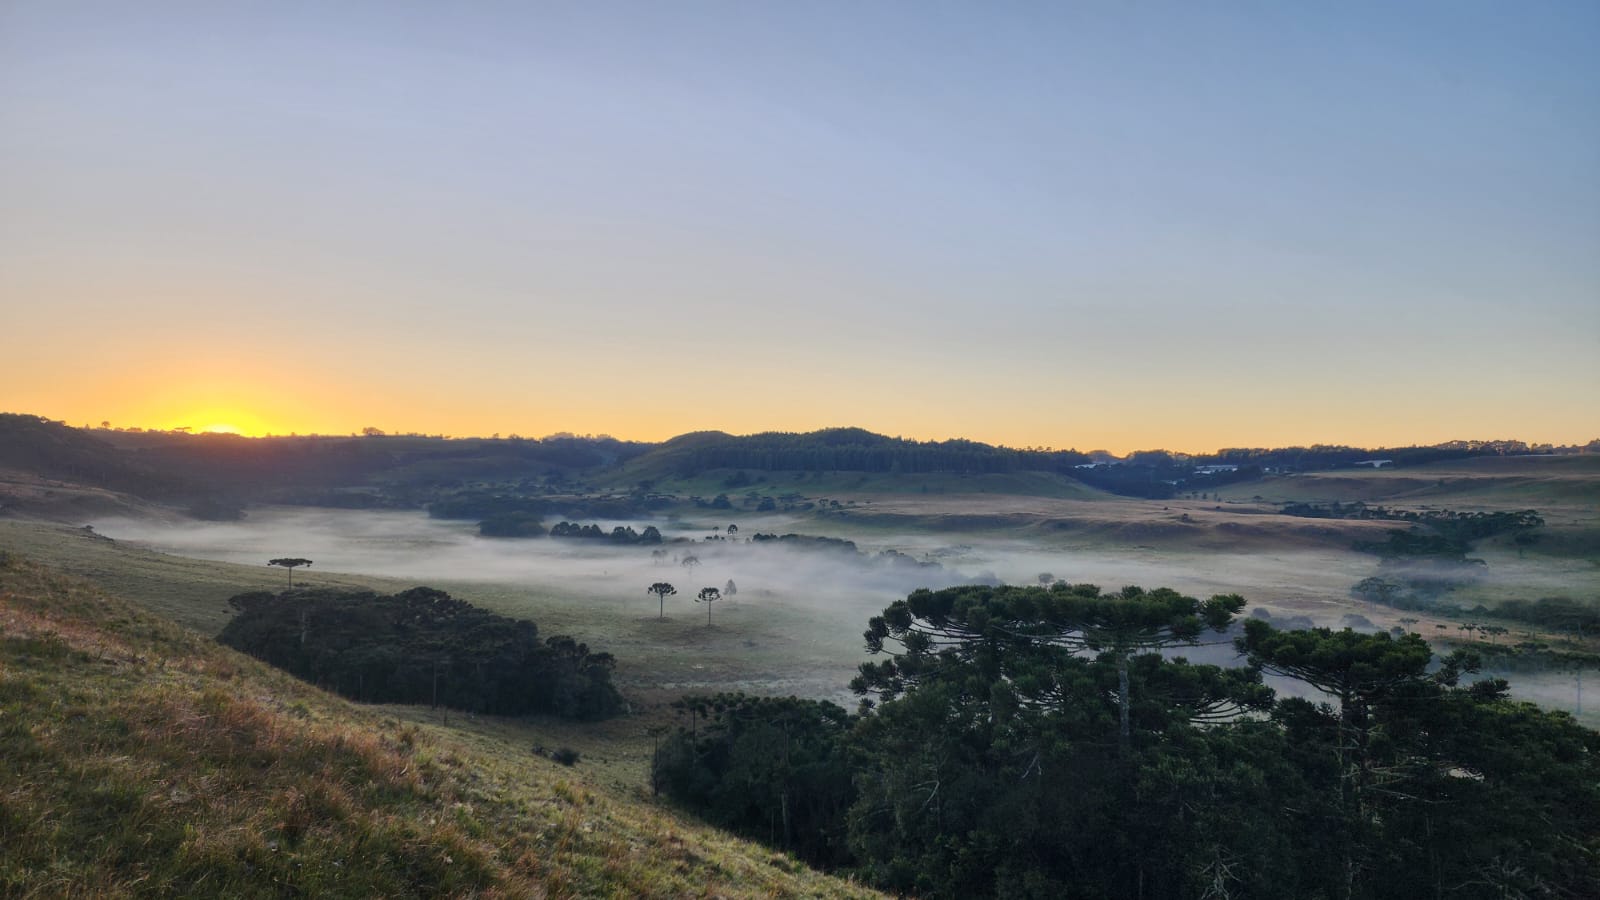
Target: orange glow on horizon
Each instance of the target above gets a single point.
(260, 400)
(219, 421)
(650, 429)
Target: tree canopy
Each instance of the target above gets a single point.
(662, 590)
(422, 646)
(1045, 742)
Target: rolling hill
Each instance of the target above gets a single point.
(141, 759)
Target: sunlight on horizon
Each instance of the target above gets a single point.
(219, 421)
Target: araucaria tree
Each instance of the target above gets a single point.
(708, 596)
(661, 589)
(1036, 742)
(1483, 796)
(291, 563)
(1078, 619)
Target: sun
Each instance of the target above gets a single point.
(221, 421)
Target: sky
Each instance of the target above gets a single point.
(1074, 224)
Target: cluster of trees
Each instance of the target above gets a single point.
(483, 504)
(512, 525)
(1560, 614)
(528, 525)
(1037, 742)
(1338, 456)
(1443, 533)
(707, 595)
(1448, 534)
(788, 501)
(848, 450)
(890, 558)
(1466, 526)
(1556, 613)
(530, 500)
(1423, 592)
(807, 542)
(621, 534)
(422, 646)
(1337, 510)
(1158, 475)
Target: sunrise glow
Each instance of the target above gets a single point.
(1182, 226)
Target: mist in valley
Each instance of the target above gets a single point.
(795, 619)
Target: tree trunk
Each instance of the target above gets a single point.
(1124, 732)
(784, 800)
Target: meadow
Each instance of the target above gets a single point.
(794, 624)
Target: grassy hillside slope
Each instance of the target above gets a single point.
(141, 759)
(1513, 482)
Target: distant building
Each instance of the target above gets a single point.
(1214, 470)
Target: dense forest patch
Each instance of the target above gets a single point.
(422, 646)
(1034, 742)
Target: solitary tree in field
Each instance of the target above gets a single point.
(733, 530)
(661, 589)
(708, 596)
(689, 562)
(729, 589)
(1408, 622)
(291, 563)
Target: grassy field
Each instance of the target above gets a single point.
(1489, 483)
(799, 636)
(144, 760)
(799, 631)
(754, 642)
(191, 592)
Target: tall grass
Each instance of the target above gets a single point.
(139, 759)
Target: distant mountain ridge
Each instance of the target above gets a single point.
(171, 466)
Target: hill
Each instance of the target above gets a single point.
(841, 450)
(38, 447)
(216, 475)
(144, 760)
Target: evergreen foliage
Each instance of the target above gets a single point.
(773, 768)
(990, 761)
(422, 646)
(620, 534)
(512, 525)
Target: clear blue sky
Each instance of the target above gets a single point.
(1067, 224)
